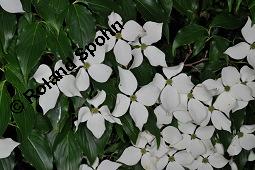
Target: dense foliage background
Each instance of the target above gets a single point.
(194, 31)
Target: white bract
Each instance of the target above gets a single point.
(62, 82)
(12, 6)
(104, 165)
(92, 67)
(134, 101)
(243, 139)
(153, 33)
(6, 147)
(245, 49)
(95, 116)
(195, 137)
(120, 42)
(236, 95)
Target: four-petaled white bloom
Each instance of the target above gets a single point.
(95, 116)
(243, 139)
(245, 49)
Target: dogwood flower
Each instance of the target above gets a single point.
(247, 77)
(130, 32)
(245, 49)
(105, 164)
(63, 83)
(12, 6)
(178, 159)
(6, 147)
(92, 67)
(153, 33)
(195, 137)
(236, 94)
(134, 101)
(96, 116)
(243, 139)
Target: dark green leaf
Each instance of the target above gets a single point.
(37, 151)
(129, 127)
(151, 10)
(241, 159)
(167, 5)
(226, 21)
(187, 8)
(7, 163)
(5, 112)
(30, 46)
(68, 153)
(91, 146)
(237, 119)
(59, 44)
(81, 25)
(99, 6)
(7, 24)
(189, 34)
(128, 10)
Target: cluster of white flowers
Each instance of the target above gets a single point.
(200, 110)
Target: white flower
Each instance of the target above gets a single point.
(63, 83)
(12, 6)
(96, 116)
(92, 67)
(146, 96)
(171, 135)
(153, 33)
(245, 49)
(104, 165)
(248, 76)
(6, 147)
(195, 137)
(244, 139)
(178, 159)
(210, 161)
(130, 32)
(236, 95)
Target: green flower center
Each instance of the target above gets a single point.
(240, 134)
(86, 65)
(193, 136)
(169, 82)
(133, 98)
(143, 151)
(227, 88)
(252, 46)
(171, 159)
(190, 95)
(211, 108)
(144, 46)
(118, 35)
(205, 160)
(94, 110)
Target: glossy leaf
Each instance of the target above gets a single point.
(226, 21)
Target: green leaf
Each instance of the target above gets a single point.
(5, 112)
(129, 127)
(59, 44)
(226, 21)
(25, 120)
(217, 47)
(151, 10)
(127, 9)
(52, 11)
(7, 163)
(81, 25)
(68, 153)
(237, 119)
(230, 4)
(37, 151)
(167, 5)
(189, 34)
(91, 146)
(251, 5)
(187, 8)
(7, 25)
(99, 6)
(30, 46)
(144, 73)
(241, 159)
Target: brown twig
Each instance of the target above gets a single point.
(197, 62)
